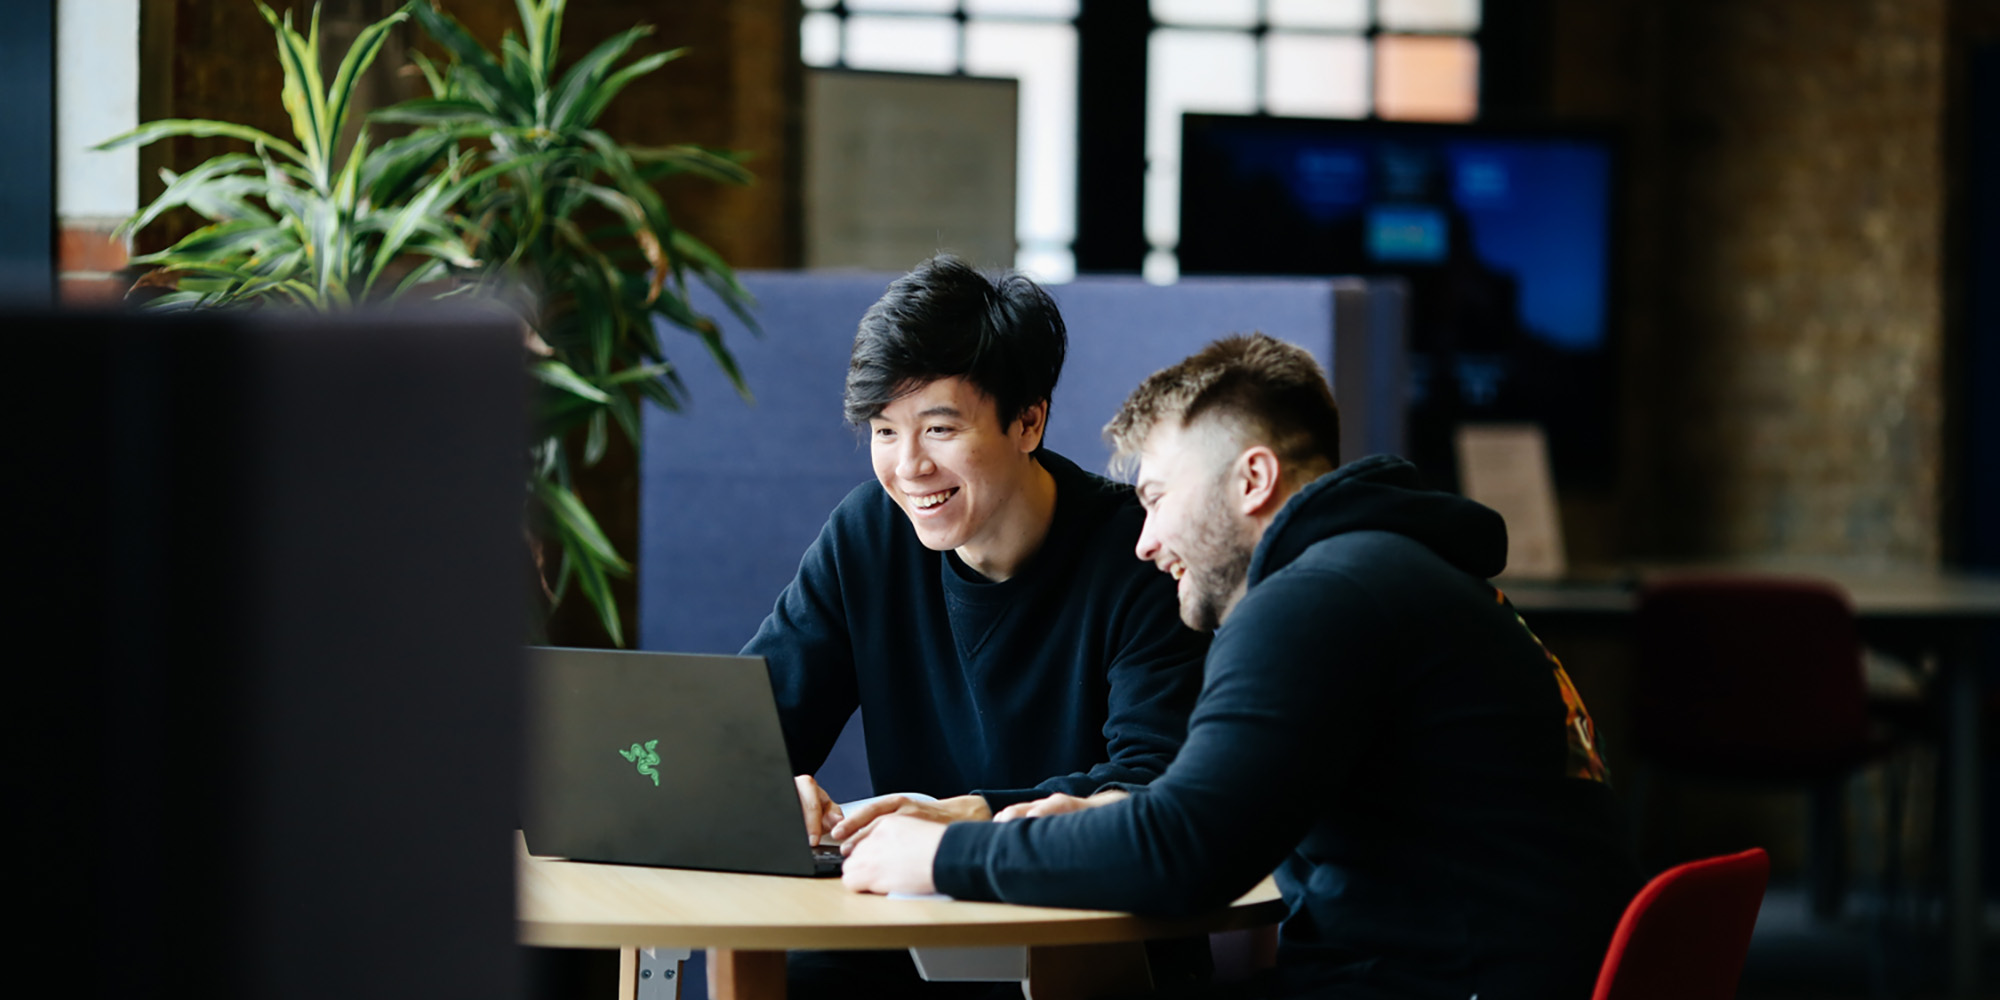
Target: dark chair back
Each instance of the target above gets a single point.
(1751, 676)
(1685, 935)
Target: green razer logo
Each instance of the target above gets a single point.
(646, 757)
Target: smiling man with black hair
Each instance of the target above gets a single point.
(978, 602)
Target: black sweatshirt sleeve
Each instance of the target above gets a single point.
(1293, 687)
(1154, 666)
(805, 643)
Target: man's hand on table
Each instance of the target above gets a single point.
(893, 854)
(952, 810)
(891, 842)
(822, 813)
(1057, 804)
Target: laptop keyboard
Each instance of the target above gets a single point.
(826, 860)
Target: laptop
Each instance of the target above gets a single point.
(665, 759)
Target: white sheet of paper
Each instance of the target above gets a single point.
(970, 965)
(1506, 467)
(847, 808)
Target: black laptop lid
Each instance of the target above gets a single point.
(660, 759)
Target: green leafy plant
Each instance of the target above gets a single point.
(504, 187)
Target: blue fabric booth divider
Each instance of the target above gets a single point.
(732, 493)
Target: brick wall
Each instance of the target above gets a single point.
(88, 259)
(1785, 328)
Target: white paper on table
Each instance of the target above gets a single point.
(912, 796)
(970, 965)
(847, 808)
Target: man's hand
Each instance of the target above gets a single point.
(1057, 804)
(893, 854)
(822, 813)
(952, 810)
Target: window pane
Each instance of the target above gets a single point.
(1350, 15)
(1043, 58)
(1429, 15)
(1048, 265)
(1022, 8)
(819, 39)
(1163, 205)
(1426, 78)
(1212, 13)
(918, 6)
(1195, 71)
(1318, 76)
(915, 44)
(1161, 267)
(1213, 71)
(819, 4)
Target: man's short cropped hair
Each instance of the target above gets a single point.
(1266, 390)
(945, 319)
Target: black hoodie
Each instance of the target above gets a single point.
(1379, 727)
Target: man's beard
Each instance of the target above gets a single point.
(1218, 564)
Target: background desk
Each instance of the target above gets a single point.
(749, 921)
(1914, 612)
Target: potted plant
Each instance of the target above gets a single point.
(502, 187)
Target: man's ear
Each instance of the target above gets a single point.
(1034, 423)
(1259, 476)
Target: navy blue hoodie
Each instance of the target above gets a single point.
(1378, 727)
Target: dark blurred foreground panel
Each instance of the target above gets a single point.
(265, 680)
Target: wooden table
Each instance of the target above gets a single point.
(748, 922)
(1924, 613)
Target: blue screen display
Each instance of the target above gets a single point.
(1535, 208)
(1504, 239)
(1407, 234)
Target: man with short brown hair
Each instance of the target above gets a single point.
(1376, 723)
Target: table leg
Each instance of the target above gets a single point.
(745, 975)
(1963, 903)
(628, 974)
(1087, 971)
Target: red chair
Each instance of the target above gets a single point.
(1685, 935)
(1757, 679)
(1749, 676)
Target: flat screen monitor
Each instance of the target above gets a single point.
(1503, 235)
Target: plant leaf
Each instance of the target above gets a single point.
(394, 167)
(587, 74)
(470, 56)
(180, 188)
(367, 45)
(597, 590)
(301, 93)
(430, 71)
(200, 128)
(561, 376)
(434, 269)
(406, 221)
(636, 373)
(596, 439)
(570, 513)
(693, 159)
(438, 110)
(217, 242)
(601, 97)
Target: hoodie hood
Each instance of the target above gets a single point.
(1383, 493)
